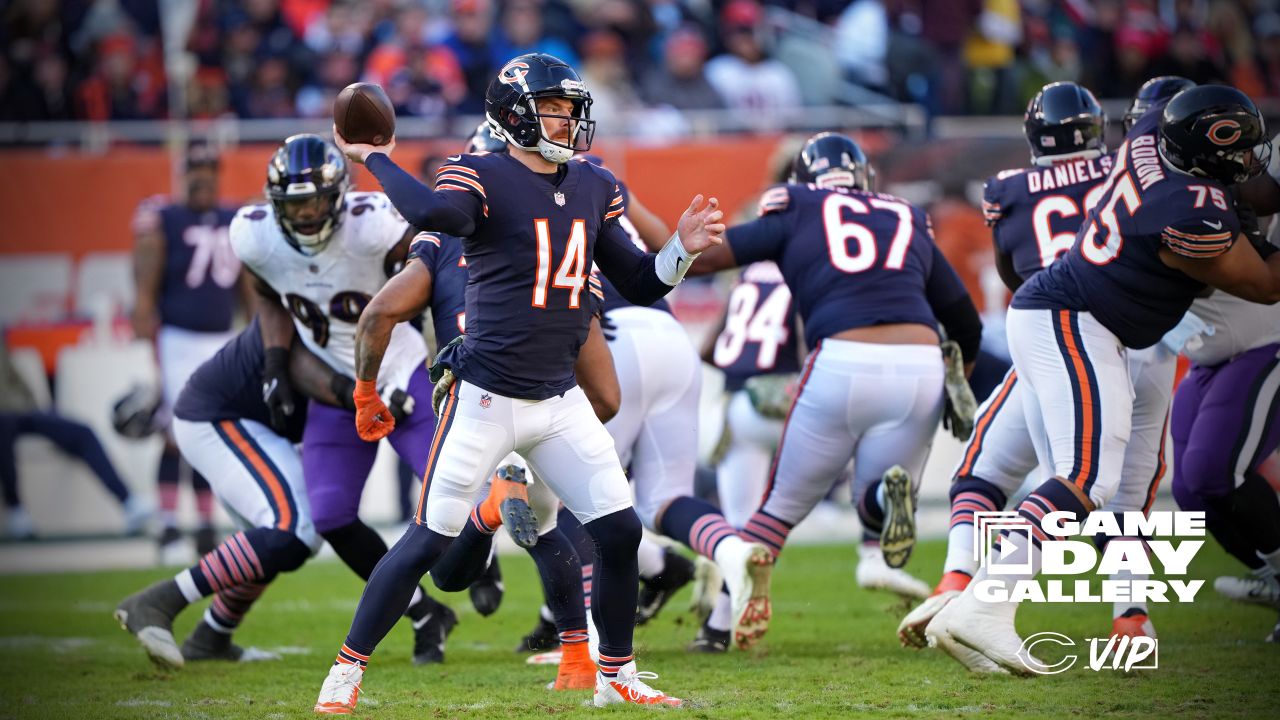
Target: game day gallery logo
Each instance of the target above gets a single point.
(1139, 547)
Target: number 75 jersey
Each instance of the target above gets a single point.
(851, 258)
(326, 292)
(1113, 269)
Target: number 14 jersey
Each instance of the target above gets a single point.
(326, 292)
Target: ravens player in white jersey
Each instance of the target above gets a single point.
(319, 253)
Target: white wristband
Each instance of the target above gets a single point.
(673, 261)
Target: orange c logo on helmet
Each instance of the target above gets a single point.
(514, 73)
(1224, 132)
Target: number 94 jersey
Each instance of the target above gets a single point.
(1034, 213)
(759, 335)
(325, 293)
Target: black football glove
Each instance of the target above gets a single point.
(400, 403)
(277, 393)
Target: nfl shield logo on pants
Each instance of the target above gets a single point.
(559, 197)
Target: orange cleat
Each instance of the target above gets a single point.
(507, 504)
(1135, 625)
(577, 672)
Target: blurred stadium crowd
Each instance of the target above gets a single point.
(139, 59)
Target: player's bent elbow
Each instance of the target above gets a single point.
(606, 403)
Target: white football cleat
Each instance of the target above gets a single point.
(747, 568)
(986, 628)
(706, 587)
(911, 631)
(898, 538)
(341, 689)
(873, 574)
(550, 657)
(1261, 591)
(938, 634)
(629, 688)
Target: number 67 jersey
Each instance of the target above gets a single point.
(1113, 269)
(852, 258)
(326, 292)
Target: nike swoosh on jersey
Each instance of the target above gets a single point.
(1216, 225)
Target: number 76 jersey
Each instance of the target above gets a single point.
(1113, 269)
(326, 292)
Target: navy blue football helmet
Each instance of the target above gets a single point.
(1064, 122)
(510, 105)
(1152, 92)
(308, 169)
(833, 160)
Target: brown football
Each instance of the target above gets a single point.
(363, 114)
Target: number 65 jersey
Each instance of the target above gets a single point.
(1113, 269)
(1034, 212)
(326, 292)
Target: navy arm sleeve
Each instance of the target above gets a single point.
(953, 307)
(760, 239)
(632, 272)
(452, 213)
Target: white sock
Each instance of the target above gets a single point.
(880, 496)
(651, 558)
(721, 615)
(544, 612)
(1272, 559)
(1120, 608)
(418, 595)
(217, 626)
(960, 551)
(187, 585)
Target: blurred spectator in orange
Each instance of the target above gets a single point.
(745, 76)
(963, 236)
(604, 70)
(122, 87)
(681, 80)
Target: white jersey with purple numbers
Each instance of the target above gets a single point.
(326, 292)
(1237, 326)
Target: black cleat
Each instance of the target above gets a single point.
(511, 488)
(430, 632)
(205, 643)
(486, 592)
(543, 638)
(148, 616)
(677, 572)
(710, 641)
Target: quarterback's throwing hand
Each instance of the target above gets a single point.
(359, 152)
(373, 420)
(700, 226)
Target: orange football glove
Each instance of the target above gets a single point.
(373, 419)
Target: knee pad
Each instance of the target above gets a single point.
(545, 505)
(977, 485)
(616, 534)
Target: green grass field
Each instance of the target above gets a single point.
(831, 652)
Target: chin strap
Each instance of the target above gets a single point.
(673, 261)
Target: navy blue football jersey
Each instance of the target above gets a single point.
(528, 302)
(612, 298)
(1113, 269)
(228, 386)
(442, 255)
(851, 258)
(1034, 212)
(759, 335)
(200, 269)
